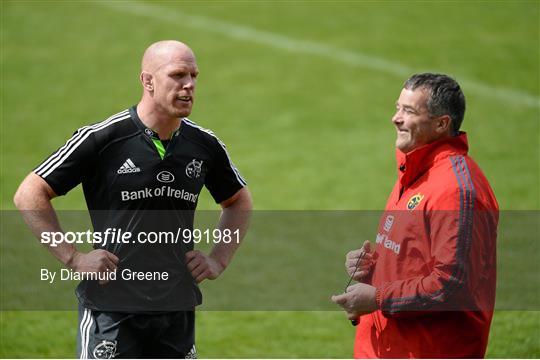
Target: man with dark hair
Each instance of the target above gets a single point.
(142, 171)
(427, 289)
(445, 96)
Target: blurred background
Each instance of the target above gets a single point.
(302, 93)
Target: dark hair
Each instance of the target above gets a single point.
(445, 96)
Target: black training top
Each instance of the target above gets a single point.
(133, 183)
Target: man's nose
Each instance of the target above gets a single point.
(189, 82)
(396, 119)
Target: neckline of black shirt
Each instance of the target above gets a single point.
(149, 132)
(151, 135)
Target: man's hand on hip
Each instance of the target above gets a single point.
(96, 261)
(203, 266)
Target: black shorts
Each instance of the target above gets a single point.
(107, 335)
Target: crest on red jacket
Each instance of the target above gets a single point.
(414, 201)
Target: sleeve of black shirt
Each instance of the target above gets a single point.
(66, 167)
(223, 179)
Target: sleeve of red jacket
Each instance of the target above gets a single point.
(445, 288)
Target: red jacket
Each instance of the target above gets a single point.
(436, 260)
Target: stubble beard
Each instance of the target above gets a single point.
(172, 111)
(403, 141)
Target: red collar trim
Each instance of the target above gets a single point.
(413, 164)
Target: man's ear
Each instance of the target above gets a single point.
(444, 124)
(147, 81)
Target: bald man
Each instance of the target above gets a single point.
(142, 171)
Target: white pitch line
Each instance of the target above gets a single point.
(278, 41)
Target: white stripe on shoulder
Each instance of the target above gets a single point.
(239, 177)
(82, 134)
(79, 142)
(78, 134)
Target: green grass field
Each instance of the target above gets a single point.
(302, 93)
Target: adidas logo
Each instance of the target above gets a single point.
(128, 167)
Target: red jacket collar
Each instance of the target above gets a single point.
(413, 164)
